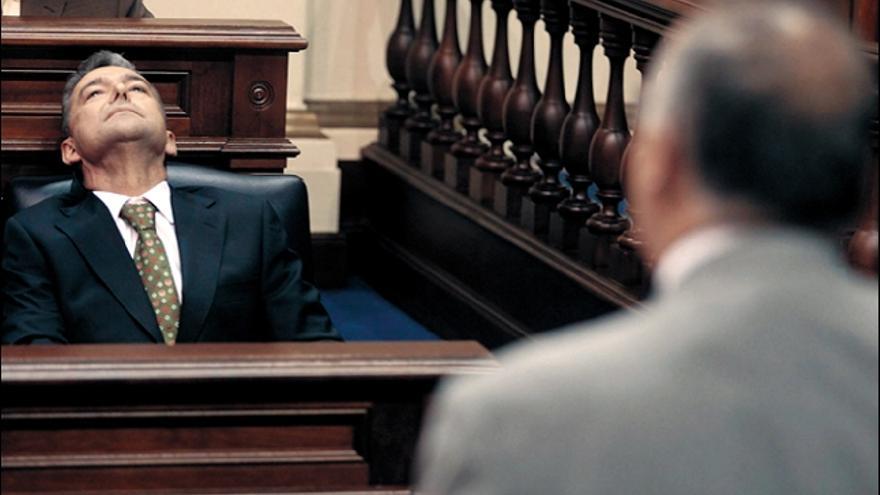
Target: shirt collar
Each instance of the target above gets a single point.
(690, 252)
(159, 195)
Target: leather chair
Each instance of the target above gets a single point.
(287, 193)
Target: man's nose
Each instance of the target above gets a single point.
(119, 91)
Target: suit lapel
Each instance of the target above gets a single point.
(201, 234)
(88, 224)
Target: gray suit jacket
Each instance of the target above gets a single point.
(84, 8)
(757, 376)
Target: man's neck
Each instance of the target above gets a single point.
(124, 173)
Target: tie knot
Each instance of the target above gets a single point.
(141, 216)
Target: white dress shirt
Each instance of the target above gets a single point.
(12, 8)
(690, 252)
(160, 197)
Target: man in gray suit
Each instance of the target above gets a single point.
(754, 368)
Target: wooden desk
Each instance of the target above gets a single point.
(223, 82)
(220, 418)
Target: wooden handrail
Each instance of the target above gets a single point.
(660, 16)
(30, 365)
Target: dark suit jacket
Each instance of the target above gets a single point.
(67, 275)
(84, 8)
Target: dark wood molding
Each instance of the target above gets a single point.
(331, 418)
(654, 15)
(223, 83)
(222, 363)
(166, 33)
(428, 247)
(605, 289)
(431, 295)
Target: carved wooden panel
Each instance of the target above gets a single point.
(223, 83)
(230, 418)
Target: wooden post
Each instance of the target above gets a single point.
(395, 59)
(580, 126)
(550, 114)
(493, 90)
(440, 76)
(519, 106)
(418, 61)
(606, 150)
(466, 88)
(630, 268)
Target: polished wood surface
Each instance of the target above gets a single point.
(596, 239)
(230, 418)
(493, 89)
(580, 126)
(395, 59)
(441, 74)
(418, 61)
(463, 270)
(466, 86)
(552, 109)
(223, 83)
(612, 138)
(165, 33)
(519, 106)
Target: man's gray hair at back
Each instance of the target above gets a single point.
(771, 102)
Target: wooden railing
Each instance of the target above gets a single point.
(220, 418)
(583, 219)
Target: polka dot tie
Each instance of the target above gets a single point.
(153, 267)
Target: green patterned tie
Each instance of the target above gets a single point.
(154, 268)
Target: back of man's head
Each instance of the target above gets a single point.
(771, 103)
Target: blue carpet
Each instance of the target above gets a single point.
(359, 313)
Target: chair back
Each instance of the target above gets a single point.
(287, 193)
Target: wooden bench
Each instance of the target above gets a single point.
(220, 418)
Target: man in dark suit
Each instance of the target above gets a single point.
(84, 8)
(123, 257)
(753, 369)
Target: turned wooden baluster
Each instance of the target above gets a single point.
(440, 76)
(519, 106)
(466, 86)
(610, 141)
(493, 90)
(466, 89)
(579, 128)
(418, 61)
(395, 59)
(630, 241)
(552, 109)
(581, 124)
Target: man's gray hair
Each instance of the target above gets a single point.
(103, 58)
(772, 102)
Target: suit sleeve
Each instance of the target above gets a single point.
(293, 306)
(138, 9)
(29, 305)
(456, 445)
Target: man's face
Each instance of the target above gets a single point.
(110, 106)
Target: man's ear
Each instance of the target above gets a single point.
(69, 154)
(170, 143)
(662, 165)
